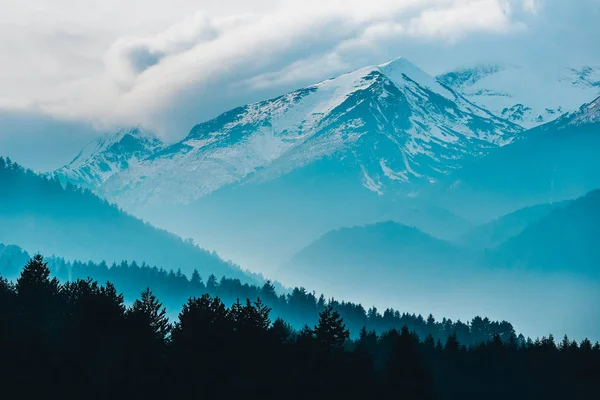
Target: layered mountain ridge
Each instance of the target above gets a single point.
(556, 161)
(41, 215)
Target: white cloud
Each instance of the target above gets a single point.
(531, 6)
(462, 18)
(207, 61)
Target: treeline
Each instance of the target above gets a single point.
(298, 306)
(79, 340)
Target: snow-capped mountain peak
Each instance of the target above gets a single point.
(528, 95)
(390, 124)
(399, 69)
(109, 155)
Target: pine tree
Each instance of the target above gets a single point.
(268, 292)
(282, 331)
(8, 298)
(586, 346)
(452, 344)
(330, 332)
(429, 341)
(256, 316)
(438, 345)
(211, 284)
(405, 369)
(149, 311)
(204, 319)
(430, 321)
(34, 282)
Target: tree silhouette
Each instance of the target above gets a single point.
(149, 312)
(81, 336)
(282, 331)
(35, 284)
(196, 284)
(452, 344)
(330, 332)
(406, 371)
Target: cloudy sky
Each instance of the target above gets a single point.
(71, 69)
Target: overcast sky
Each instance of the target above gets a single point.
(73, 68)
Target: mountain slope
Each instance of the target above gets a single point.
(527, 95)
(565, 240)
(393, 122)
(108, 156)
(555, 162)
(40, 215)
(268, 178)
(360, 255)
(497, 231)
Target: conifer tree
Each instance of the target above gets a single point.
(330, 332)
(148, 310)
(211, 284)
(282, 331)
(452, 344)
(34, 282)
(196, 284)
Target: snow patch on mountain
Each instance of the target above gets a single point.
(587, 114)
(526, 95)
(109, 155)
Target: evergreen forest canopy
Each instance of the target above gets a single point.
(79, 339)
(298, 306)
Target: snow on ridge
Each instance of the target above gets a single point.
(525, 94)
(587, 114)
(109, 155)
(400, 68)
(419, 124)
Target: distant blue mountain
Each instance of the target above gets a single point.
(565, 240)
(553, 162)
(267, 178)
(41, 215)
(370, 253)
(499, 230)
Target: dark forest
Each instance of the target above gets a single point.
(79, 340)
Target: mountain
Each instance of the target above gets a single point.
(565, 240)
(499, 230)
(554, 162)
(526, 95)
(366, 255)
(389, 263)
(108, 156)
(268, 178)
(393, 123)
(41, 215)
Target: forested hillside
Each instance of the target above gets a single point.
(40, 214)
(79, 339)
(298, 306)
